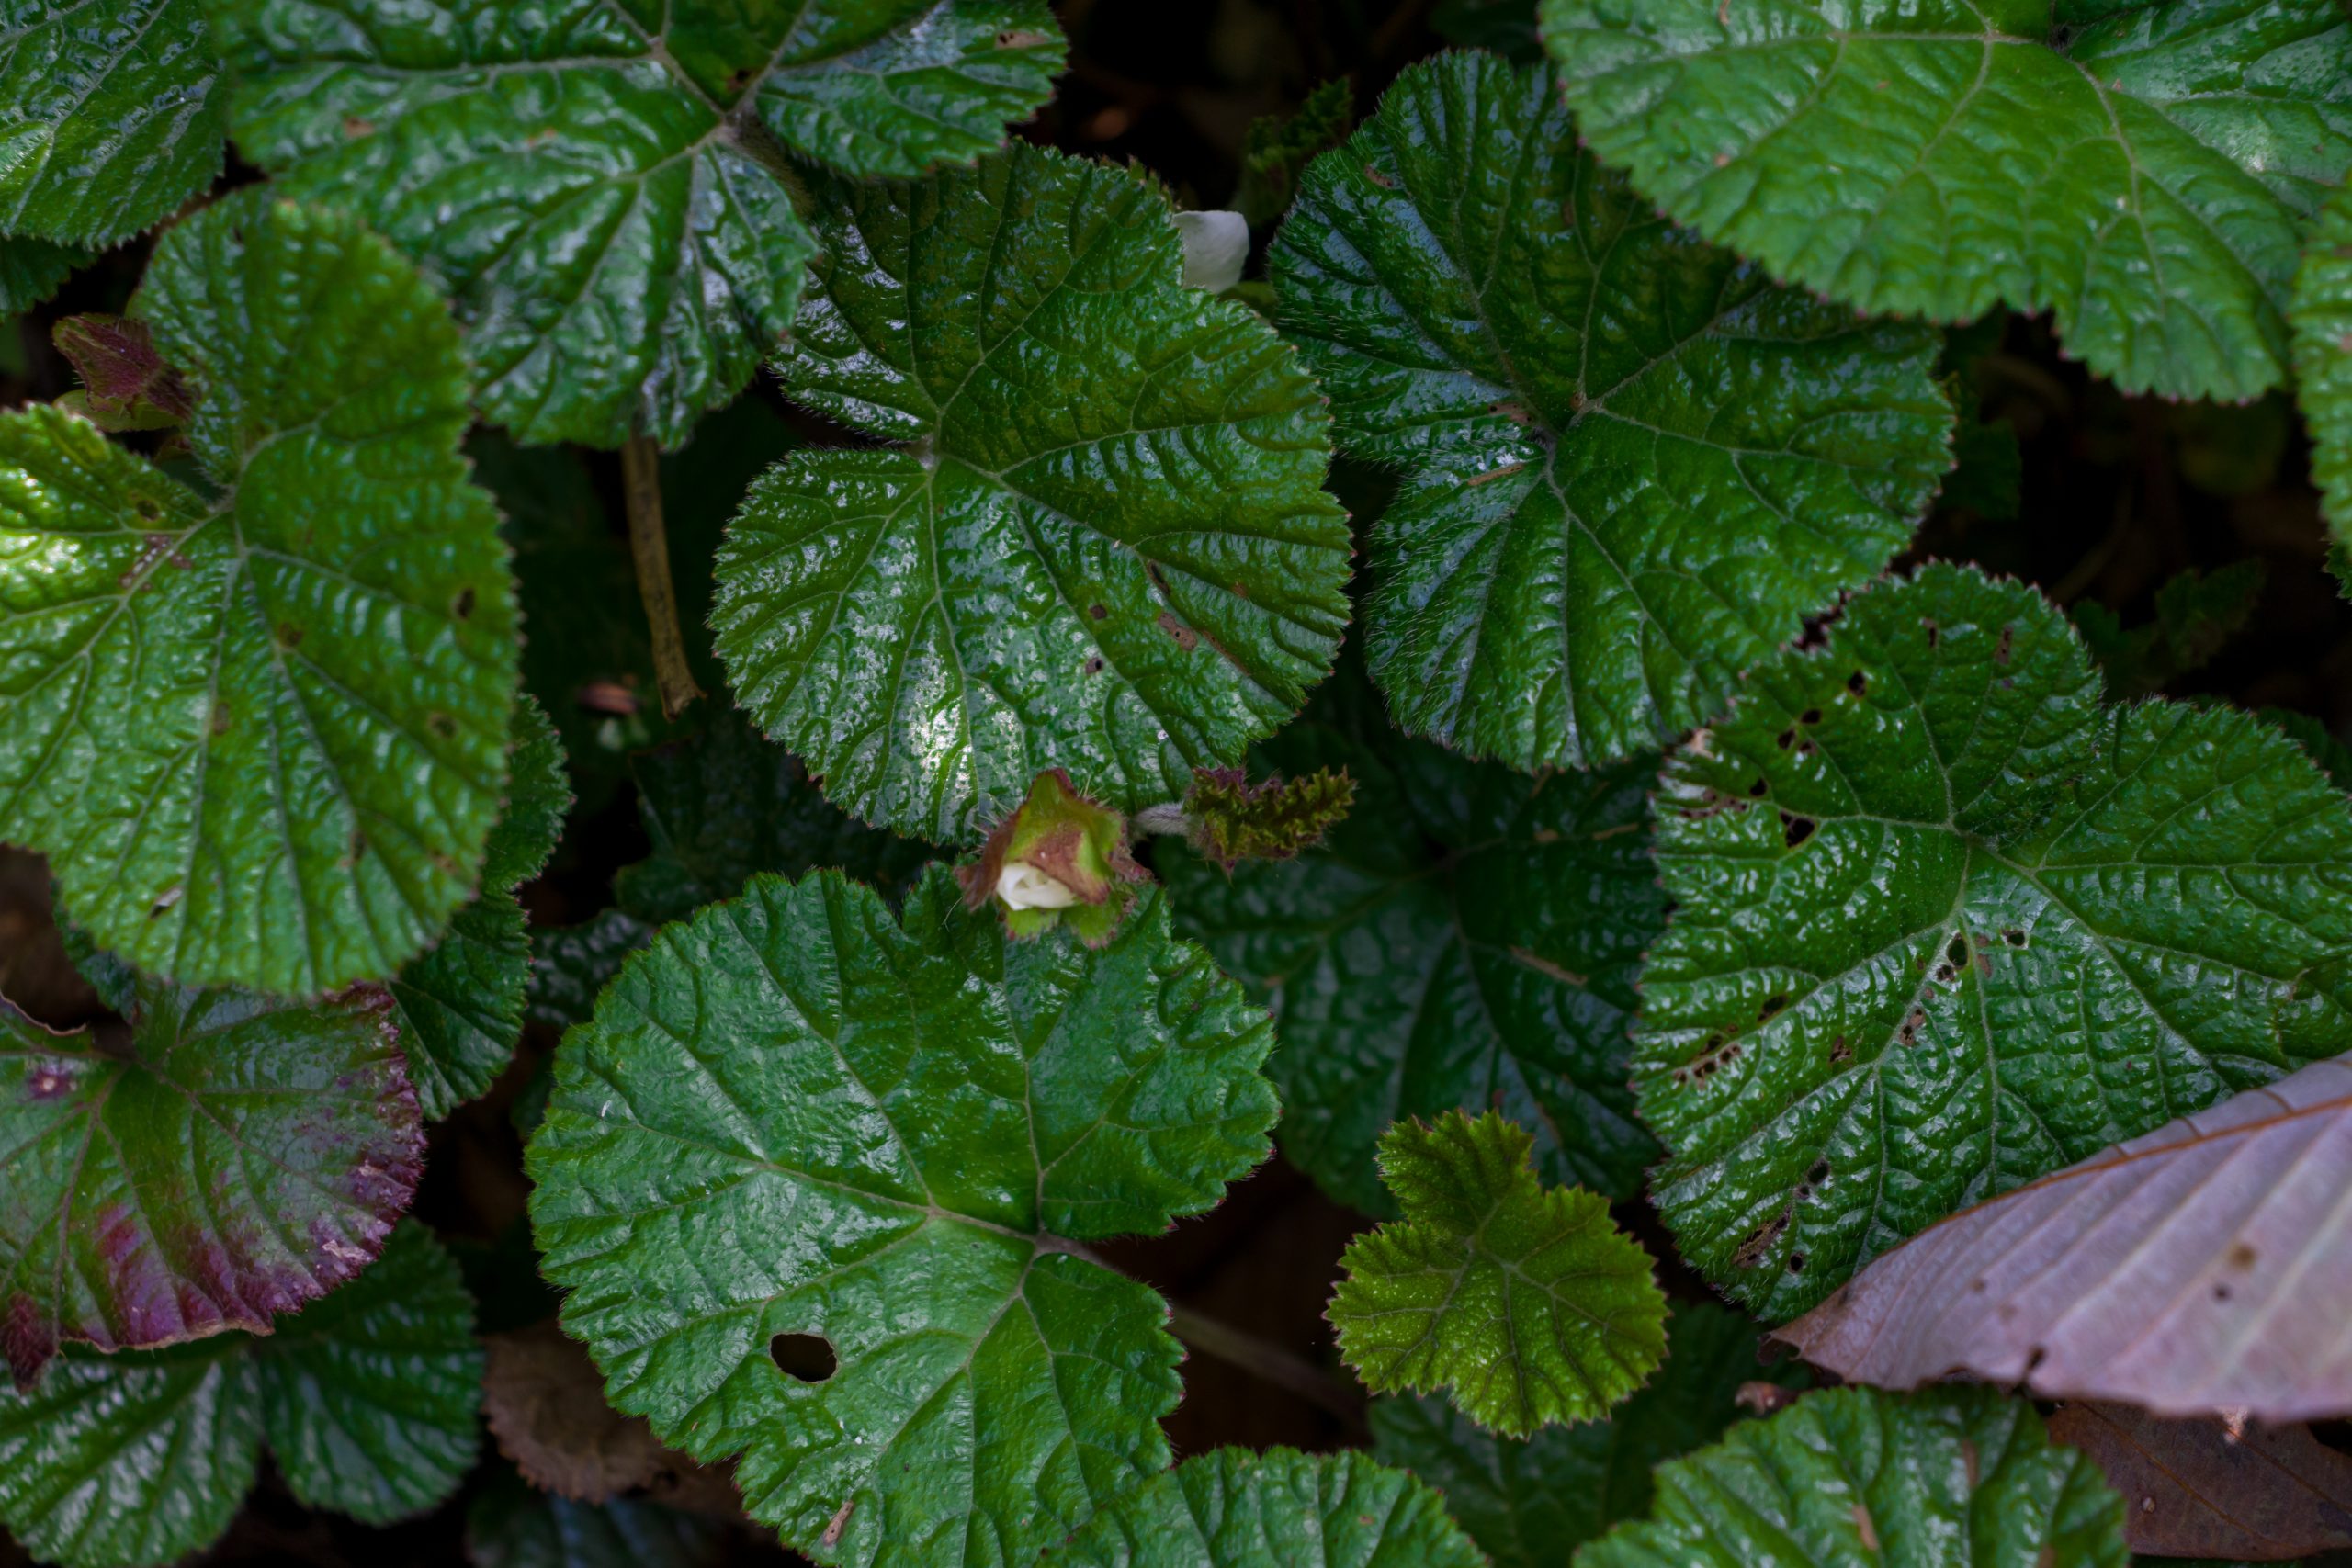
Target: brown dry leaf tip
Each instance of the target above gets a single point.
(546, 1407)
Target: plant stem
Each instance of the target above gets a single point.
(1169, 818)
(1269, 1363)
(649, 544)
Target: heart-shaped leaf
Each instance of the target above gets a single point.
(1632, 466)
(815, 1181)
(110, 117)
(367, 1400)
(1526, 1301)
(2144, 173)
(261, 739)
(1946, 923)
(221, 1161)
(600, 181)
(1467, 937)
(1101, 545)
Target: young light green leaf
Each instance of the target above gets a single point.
(1105, 546)
(1232, 1508)
(262, 741)
(1855, 1476)
(1466, 937)
(368, 1399)
(814, 1179)
(2322, 322)
(512, 1525)
(1632, 466)
(460, 1006)
(1946, 923)
(600, 183)
(2146, 173)
(1528, 1503)
(133, 1208)
(1526, 1300)
(112, 116)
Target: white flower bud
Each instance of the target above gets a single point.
(1215, 244)
(1024, 887)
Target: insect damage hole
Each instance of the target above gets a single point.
(803, 1357)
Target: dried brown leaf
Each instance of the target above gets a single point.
(2192, 1490)
(2202, 1270)
(545, 1404)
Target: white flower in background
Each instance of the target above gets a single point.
(1216, 246)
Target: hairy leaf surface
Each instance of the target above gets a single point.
(602, 182)
(110, 116)
(2322, 321)
(1528, 1503)
(1632, 465)
(2201, 1268)
(461, 1004)
(2144, 173)
(1467, 937)
(1946, 923)
(1855, 1476)
(1524, 1300)
(262, 740)
(1099, 541)
(367, 1398)
(223, 1160)
(801, 1133)
(1232, 1508)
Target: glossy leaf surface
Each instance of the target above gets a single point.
(1632, 465)
(262, 741)
(1946, 922)
(2144, 173)
(1524, 1301)
(2201, 1268)
(32, 270)
(110, 116)
(1854, 1476)
(223, 1160)
(2322, 321)
(1099, 543)
(1467, 937)
(461, 1004)
(599, 180)
(367, 1398)
(800, 1132)
(1530, 1503)
(1232, 1508)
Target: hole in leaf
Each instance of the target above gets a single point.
(1788, 738)
(1935, 633)
(1810, 715)
(1857, 682)
(1094, 665)
(2014, 936)
(1771, 1005)
(1757, 789)
(1795, 830)
(804, 1357)
(1956, 952)
(1796, 1262)
(463, 608)
(147, 509)
(1818, 1175)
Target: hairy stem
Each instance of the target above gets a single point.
(1269, 1363)
(1169, 818)
(649, 543)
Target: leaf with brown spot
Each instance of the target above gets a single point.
(2191, 1490)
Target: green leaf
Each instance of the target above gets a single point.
(113, 117)
(1529, 1502)
(1945, 923)
(796, 1118)
(2146, 175)
(570, 964)
(32, 270)
(599, 180)
(2197, 615)
(1468, 938)
(1279, 148)
(368, 1399)
(262, 741)
(1507, 27)
(1101, 545)
(1526, 1300)
(1857, 1476)
(2322, 323)
(1632, 466)
(511, 1525)
(460, 1006)
(1232, 1508)
(722, 804)
(223, 1160)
